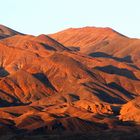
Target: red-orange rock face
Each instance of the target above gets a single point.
(78, 85)
(131, 111)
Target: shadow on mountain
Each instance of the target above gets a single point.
(3, 36)
(75, 49)
(42, 78)
(104, 55)
(134, 66)
(113, 85)
(104, 96)
(74, 97)
(48, 47)
(3, 72)
(5, 103)
(121, 72)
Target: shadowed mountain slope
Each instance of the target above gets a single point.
(7, 32)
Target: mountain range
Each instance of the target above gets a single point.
(79, 83)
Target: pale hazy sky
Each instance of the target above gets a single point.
(49, 16)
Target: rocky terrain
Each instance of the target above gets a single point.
(80, 83)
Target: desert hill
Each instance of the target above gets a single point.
(77, 81)
(100, 42)
(7, 32)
